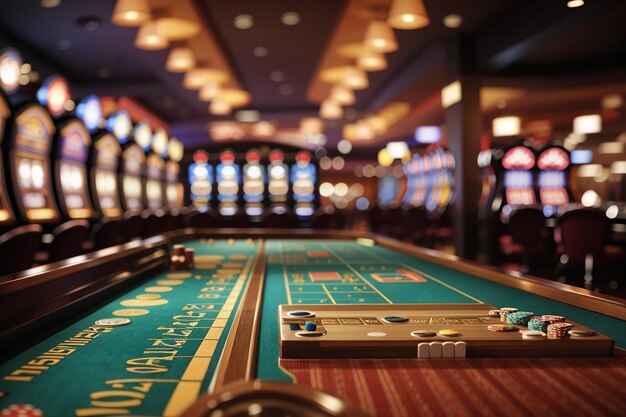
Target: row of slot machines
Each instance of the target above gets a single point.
(59, 165)
(430, 180)
(254, 181)
(520, 175)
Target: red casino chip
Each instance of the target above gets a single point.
(21, 410)
(501, 328)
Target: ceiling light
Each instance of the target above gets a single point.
(397, 150)
(177, 29)
(148, 37)
(260, 51)
(180, 60)
(451, 94)
(371, 61)
(618, 167)
(311, 125)
(612, 101)
(277, 76)
(331, 110)
(591, 123)
(290, 18)
(209, 91)
(10, 70)
(263, 129)
(363, 131)
(285, 90)
(506, 126)
(248, 116)
(243, 21)
(590, 170)
(344, 146)
(427, 134)
(342, 95)
(131, 12)
(380, 37)
(408, 14)
(220, 107)
(89, 23)
(452, 21)
(198, 77)
(355, 78)
(611, 147)
(378, 124)
(235, 97)
(575, 3)
(48, 4)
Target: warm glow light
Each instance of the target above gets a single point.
(131, 12)
(397, 150)
(611, 147)
(591, 123)
(371, 61)
(618, 167)
(180, 60)
(378, 124)
(612, 101)
(10, 69)
(177, 29)
(408, 14)
(451, 94)
(148, 37)
(220, 107)
(363, 130)
(331, 110)
(427, 134)
(344, 146)
(452, 21)
(235, 97)
(590, 171)
(380, 37)
(197, 78)
(384, 158)
(342, 95)
(209, 91)
(263, 129)
(506, 126)
(575, 3)
(355, 78)
(590, 198)
(311, 125)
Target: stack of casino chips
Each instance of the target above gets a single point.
(537, 323)
(182, 258)
(558, 330)
(519, 317)
(504, 313)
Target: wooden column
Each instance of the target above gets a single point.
(463, 121)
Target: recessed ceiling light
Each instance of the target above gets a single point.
(65, 44)
(285, 89)
(25, 68)
(34, 76)
(290, 18)
(243, 21)
(260, 51)
(48, 4)
(452, 21)
(104, 72)
(89, 23)
(248, 116)
(277, 76)
(575, 3)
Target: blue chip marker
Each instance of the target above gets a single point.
(294, 327)
(396, 319)
(301, 313)
(310, 326)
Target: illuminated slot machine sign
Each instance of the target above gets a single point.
(104, 185)
(10, 72)
(435, 182)
(254, 179)
(70, 170)
(388, 187)
(228, 178)
(553, 163)
(303, 178)
(173, 186)
(409, 172)
(133, 160)
(200, 181)
(487, 178)
(518, 164)
(155, 168)
(278, 177)
(419, 193)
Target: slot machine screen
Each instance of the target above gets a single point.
(519, 187)
(552, 191)
(132, 191)
(132, 188)
(104, 175)
(154, 186)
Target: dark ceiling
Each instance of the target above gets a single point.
(504, 39)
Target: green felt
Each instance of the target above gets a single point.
(290, 260)
(76, 380)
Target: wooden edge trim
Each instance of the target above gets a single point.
(579, 297)
(238, 361)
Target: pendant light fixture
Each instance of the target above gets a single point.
(408, 14)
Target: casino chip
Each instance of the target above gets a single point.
(494, 313)
(581, 333)
(448, 333)
(21, 410)
(532, 335)
(423, 333)
(310, 326)
(395, 319)
(122, 321)
(300, 314)
(501, 328)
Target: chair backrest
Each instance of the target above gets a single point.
(584, 231)
(68, 240)
(200, 220)
(284, 220)
(239, 220)
(323, 220)
(107, 232)
(18, 248)
(526, 225)
(131, 226)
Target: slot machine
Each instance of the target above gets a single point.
(228, 175)
(553, 164)
(254, 179)
(434, 182)
(446, 177)
(132, 162)
(419, 195)
(70, 152)
(278, 179)
(200, 181)
(410, 173)
(388, 187)
(9, 75)
(29, 144)
(516, 164)
(173, 187)
(103, 160)
(155, 169)
(487, 181)
(303, 178)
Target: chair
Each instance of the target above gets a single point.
(323, 220)
(199, 219)
(68, 240)
(18, 248)
(526, 235)
(273, 220)
(585, 234)
(131, 226)
(106, 233)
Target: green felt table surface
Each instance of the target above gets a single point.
(136, 369)
(355, 273)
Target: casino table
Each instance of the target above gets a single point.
(215, 327)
